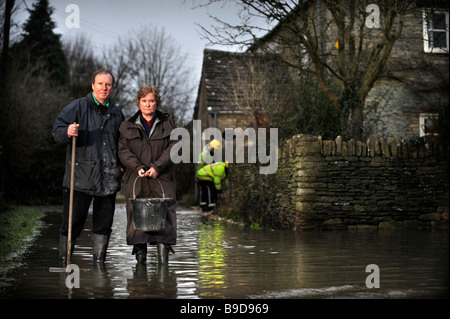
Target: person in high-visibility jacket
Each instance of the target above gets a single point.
(206, 156)
(211, 178)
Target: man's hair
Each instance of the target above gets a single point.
(103, 71)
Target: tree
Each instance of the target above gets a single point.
(41, 43)
(9, 5)
(149, 55)
(341, 40)
(82, 63)
(261, 90)
(32, 164)
(252, 84)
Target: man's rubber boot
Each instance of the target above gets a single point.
(99, 247)
(63, 249)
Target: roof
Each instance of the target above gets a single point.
(220, 77)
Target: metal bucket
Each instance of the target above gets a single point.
(149, 214)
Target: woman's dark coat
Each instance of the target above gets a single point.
(136, 151)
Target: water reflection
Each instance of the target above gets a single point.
(211, 259)
(215, 259)
(150, 283)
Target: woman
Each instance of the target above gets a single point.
(144, 149)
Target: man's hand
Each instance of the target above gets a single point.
(72, 130)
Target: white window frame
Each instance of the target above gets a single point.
(422, 118)
(427, 42)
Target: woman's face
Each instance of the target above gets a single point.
(147, 105)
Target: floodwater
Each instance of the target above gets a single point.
(216, 259)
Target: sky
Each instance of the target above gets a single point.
(104, 21)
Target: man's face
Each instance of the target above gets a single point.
(102, 87)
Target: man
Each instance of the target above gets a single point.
(97, 172)
(210, 178)
(207, 155)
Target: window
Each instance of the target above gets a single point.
(428, 123)
(435, 31)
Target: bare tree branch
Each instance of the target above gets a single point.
(150, 55)
(311, 28)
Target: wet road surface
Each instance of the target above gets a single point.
(217, 259)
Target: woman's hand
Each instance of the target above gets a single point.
(142, 173)
(152, 173)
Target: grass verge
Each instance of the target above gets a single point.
(16, 227)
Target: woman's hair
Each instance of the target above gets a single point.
(146, 89)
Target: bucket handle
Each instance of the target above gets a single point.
(134, 185)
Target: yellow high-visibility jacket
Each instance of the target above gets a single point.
(205, 158)
(214, 172)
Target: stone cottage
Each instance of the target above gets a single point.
(326, 188)
(231, 88)
(413, 87)
(404, 102)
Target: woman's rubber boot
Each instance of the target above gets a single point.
(163, 253)
(99, 247)
(140, 252)
(63, 249)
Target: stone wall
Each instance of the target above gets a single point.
(344, 185)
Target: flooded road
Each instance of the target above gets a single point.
(216, 259)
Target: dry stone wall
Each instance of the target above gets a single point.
(326, 184)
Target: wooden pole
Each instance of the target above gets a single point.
(69, 234)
